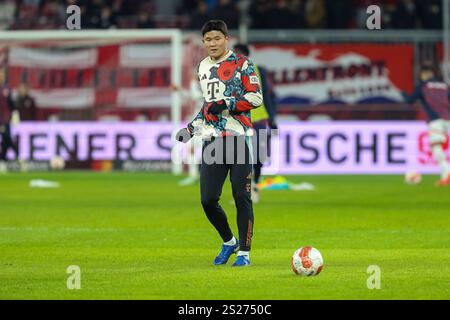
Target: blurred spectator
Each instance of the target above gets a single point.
(6, 110)
(258, 12)
(104, 20)
(297, 9)
(144, 21)
(211, 4)
(93, 13)
(315, 14)
(264, 14)
(188, 7)
(130, 7)
(404, 15)
(430, 14)
(339, 14)
(52, 14)
(26, 14)
(227, 10)
(85, 22)
(280, 17)
(26, 104)
(200, 16)
(7, 12)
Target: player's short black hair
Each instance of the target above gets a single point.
(215, 25)
(427, 67)
(241, 47)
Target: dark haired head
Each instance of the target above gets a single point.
(242, 49)
(215, 25)
(427, 67)
(427, 72)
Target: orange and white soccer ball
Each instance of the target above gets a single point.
(413, 177)
(307, 261)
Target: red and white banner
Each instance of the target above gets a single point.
(137, 75)
(337, 73)
(122, 75)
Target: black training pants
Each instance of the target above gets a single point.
(220, 156)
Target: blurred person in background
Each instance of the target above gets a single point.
(144, 21)
(433, 95)
(6, 112)
(200, 16)
(187, 6)
(280, 16)
(315, 14)
(296, 7)
(52, 13)
(404, 15)
(211, 4)
(258, 11)
(104, 19)
(7, 12)
(263, 118)
(339, 13)
(227, 10)
(430, 14)
(25, 104)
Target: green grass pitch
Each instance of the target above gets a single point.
(140, 236)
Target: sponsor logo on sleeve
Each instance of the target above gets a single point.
(254, 80)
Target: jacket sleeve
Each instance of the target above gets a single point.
(251, 96)
(414, 96)
(197, 119)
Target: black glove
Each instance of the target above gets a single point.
(236, 113)
(183, 135)
(217, 107)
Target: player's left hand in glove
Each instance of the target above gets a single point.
(217, 107)
(183, 135)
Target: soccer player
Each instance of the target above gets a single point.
(26, 104)
(230, 89)
(433, 95)
(6, 110)
(263, 118)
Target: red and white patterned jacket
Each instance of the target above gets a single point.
(232, 79)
